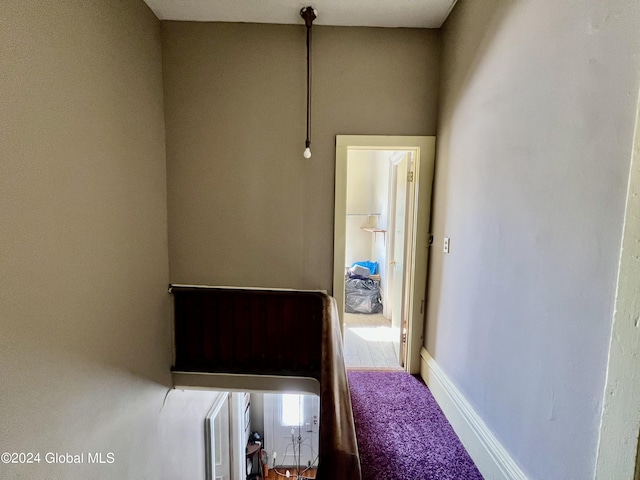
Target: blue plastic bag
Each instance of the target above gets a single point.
(372, 266)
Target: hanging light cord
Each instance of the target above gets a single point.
(308, 142)
(309, 15)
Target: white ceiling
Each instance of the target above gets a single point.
(370, 13)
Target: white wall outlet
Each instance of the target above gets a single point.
(447, 241)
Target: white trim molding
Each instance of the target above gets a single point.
(238, 382)
(620, 419)
(491, 458)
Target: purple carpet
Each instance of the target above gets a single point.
(402, 433)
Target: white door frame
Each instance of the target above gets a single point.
(423, 148)
(620, 419)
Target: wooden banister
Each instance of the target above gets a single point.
(277, 333)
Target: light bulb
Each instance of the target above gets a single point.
(307, 153)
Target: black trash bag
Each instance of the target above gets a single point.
(362, 296)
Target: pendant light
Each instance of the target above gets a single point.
(309, 14)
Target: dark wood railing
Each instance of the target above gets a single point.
(273, 332)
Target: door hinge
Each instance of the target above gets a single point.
(404, 338)
(409, 176)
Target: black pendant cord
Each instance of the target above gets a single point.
(309, 15)
(308, 141)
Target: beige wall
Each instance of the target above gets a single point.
(534, 144)
(245, 208)
(84, 317)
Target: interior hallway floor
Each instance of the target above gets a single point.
(402, 432)
(369, 341)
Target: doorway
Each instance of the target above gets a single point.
(291, 430)
(383, 194)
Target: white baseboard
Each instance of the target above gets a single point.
(493, 461)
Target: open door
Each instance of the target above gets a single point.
(217, 440)
(417, 181)
(398, 196)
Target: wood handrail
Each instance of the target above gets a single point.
(284, 333)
